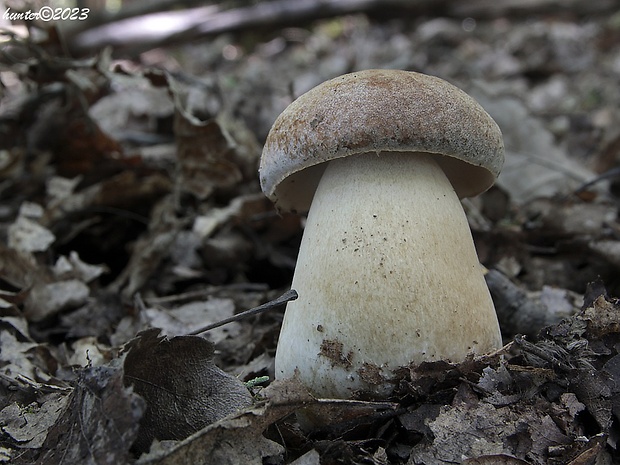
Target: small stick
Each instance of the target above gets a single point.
(284, 298)
(609, 174)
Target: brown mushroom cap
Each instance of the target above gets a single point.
(375, 111)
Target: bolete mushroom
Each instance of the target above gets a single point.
(387, 272)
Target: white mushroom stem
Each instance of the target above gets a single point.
(387, 275)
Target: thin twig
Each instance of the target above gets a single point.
(609, 174)
(284, 298)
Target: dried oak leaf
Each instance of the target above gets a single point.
(183, 388)
(99, 423)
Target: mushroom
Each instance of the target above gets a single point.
(387, 272)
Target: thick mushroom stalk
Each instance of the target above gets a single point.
(387, 275)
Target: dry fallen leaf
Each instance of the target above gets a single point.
(205, 151)
(46, 300)
(97, 317)
(26, 235)
(535, 165)
(23, 358)
(74, 267)
(150, 249)
(28, 425)
(237, 439)
(312, 457)
(99, 423)
(183, 389)
(468, 431)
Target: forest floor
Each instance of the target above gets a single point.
(131, 217)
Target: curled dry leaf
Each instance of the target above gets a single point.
(602, 317)
(242, 207)
(183, 388)
(132, 108)
(74, 267)
(338, 416)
